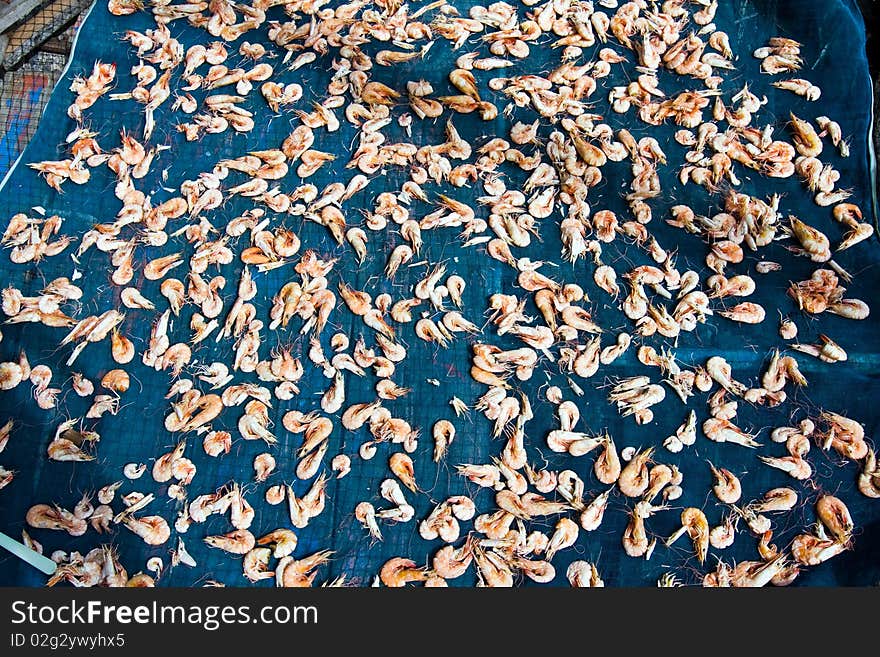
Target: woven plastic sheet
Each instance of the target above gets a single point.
(833, 50)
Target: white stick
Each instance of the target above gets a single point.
(23, 552)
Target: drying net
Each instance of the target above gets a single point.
(833, 36)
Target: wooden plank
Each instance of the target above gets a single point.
(55, 46)
(35, 30)
(62, 42)
(17, 11)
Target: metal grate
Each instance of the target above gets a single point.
(33, 53)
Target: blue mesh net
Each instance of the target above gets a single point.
(833, 51)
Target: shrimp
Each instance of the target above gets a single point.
(869, 477)
(775, 499)
(751, 574)
(722, 431)
(695, 524)
(11, 375)
(788, 330)
(240, 541)
(634, 478)
(402, 466)
(720, 371)
(154, 530)
(573, 442)
(398, 572)
(365, 513)
(399, 256)
(800, 87)
(492, 568)
(814, 243)
(443, 433)
(455, 323)
(594, 512)
(293, 573)
(810, 550)
(564, 536)
(723, 535)
(685, 435)
(162, 468)
(806, 141)
(834, 515)
(5, 432)
(583, 574)
(746, 312)
(827, 350)
(607, 467)
(43, 516)
(727, 487)
(62, 449)
(635, 537)
(264, 465)
(606, 278)
(255, 565)
(450, 562)
(283, 542)
(857, 234)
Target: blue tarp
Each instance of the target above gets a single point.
(833, 36)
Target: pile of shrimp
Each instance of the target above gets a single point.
(184, 275)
